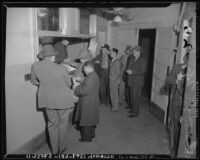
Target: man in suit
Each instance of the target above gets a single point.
(135, 80)
(130, 59)
(54, 95)
(123, 62)
(87, 113)
(114, 77)
(104, 60)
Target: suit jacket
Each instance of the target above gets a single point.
(99, 58)
(138, 68)
(114, 73)
(130, 59)
(87, 113)
(123, 62)
(54, 85)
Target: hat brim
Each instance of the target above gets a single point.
(42, 56)
(83, 57)
(105, 48)
(131, 49)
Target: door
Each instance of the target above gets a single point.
(163, 60)
(147, 42)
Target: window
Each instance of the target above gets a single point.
(84, 21)
(48, 19)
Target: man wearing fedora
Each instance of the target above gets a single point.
(135, 80)
(104, 60)
(122, 86)
(54, 95)
(130, 58)
(61, 47)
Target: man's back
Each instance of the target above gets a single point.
(54, 83)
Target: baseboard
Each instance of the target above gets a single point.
(157, 111)
(32, 145)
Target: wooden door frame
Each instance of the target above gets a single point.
(153, 60)
(138, 26)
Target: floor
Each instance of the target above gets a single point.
(118, 134)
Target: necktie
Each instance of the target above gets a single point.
(131, 61)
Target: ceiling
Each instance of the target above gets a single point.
(109, 13)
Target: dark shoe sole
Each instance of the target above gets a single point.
(82, 140)
(132, 116)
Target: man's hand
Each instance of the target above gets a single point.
(65, 42)
(78, 79)
(180, 77)
(128, 71)
(75, 83)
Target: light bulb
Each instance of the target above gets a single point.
(117, 19)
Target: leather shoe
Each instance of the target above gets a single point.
(83, 140)
(132, 116)
(130, 112)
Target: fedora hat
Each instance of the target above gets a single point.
(137, 48)
(47, 50)
(130, 47)
(47, 40)
(106, 46)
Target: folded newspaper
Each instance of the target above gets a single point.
(69, 68)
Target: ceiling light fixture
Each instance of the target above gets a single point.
(117, 19)
(42, 12)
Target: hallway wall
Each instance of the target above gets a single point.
(102, 31)
(23, 121)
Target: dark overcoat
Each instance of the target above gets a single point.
(87, 112)
(138, 68)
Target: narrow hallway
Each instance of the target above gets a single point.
(118, 134)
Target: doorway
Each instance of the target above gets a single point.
(147, 42)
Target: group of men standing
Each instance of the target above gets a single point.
(121, 78)
(108, 79)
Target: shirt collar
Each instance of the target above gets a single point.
(137, 58)
(114, 59)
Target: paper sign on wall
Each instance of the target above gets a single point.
(92, 46)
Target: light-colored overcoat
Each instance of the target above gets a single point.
(54, 85)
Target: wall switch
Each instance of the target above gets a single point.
(27, 77)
